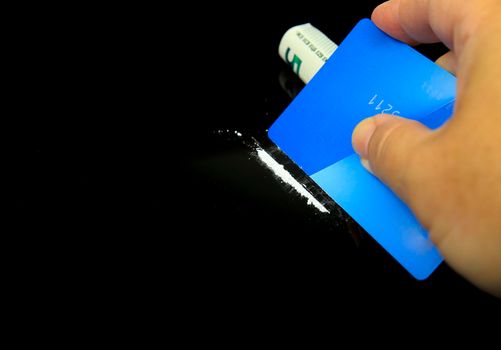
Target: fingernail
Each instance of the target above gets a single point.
(362, 136)
(366, 165)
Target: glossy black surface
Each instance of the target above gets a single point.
(128, 186)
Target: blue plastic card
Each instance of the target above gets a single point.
(370, 73)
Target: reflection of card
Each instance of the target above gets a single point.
(370, 73)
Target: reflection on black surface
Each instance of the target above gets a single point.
(268, 238)
(290, 82)
(270, 246)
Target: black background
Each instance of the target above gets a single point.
(126, 187)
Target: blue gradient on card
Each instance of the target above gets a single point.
(369, 73)
(382, 214)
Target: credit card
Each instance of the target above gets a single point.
(369, 73)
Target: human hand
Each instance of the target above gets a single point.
(450, 177)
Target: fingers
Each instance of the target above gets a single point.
(427, 21)
(389, 147)
(391, 17)
(448, 62)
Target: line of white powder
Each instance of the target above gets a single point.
(279, 170)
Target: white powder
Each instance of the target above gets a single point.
(277, 168)
(286, 177)
(228, 132)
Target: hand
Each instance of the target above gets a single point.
(450, 177)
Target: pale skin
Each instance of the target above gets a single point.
(450, 177)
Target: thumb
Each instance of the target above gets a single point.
(392, 149)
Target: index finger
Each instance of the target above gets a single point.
(429, 21)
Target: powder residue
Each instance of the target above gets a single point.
(279, 170)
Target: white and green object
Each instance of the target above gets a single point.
(305, 49)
